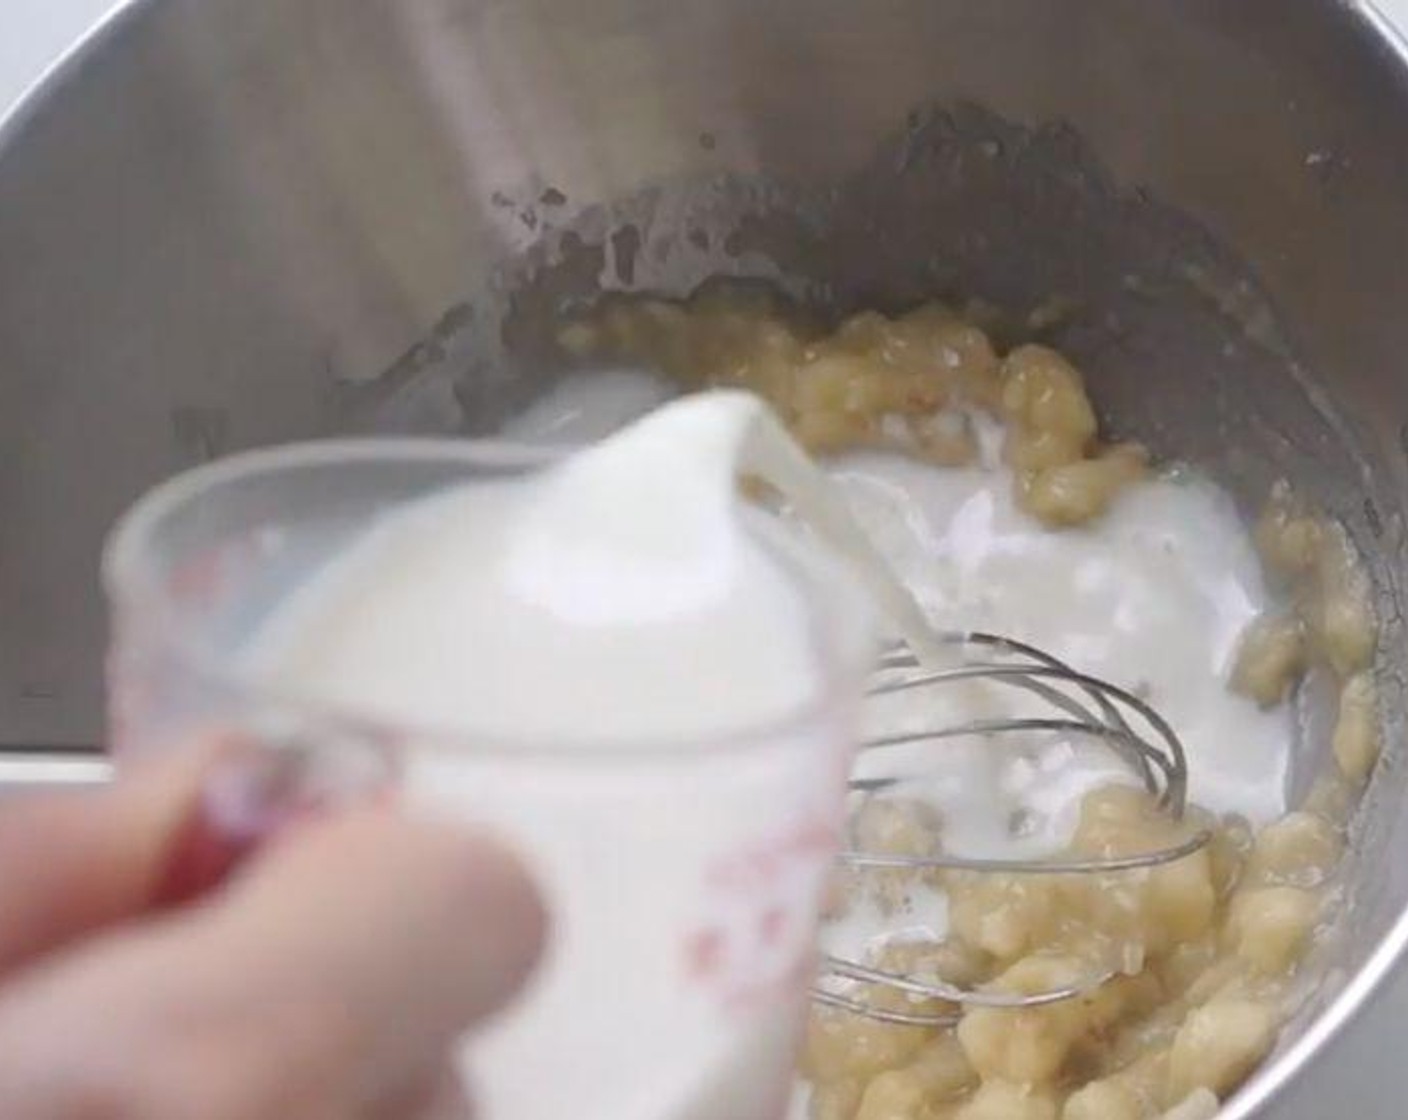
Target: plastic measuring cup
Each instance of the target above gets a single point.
(684, 879)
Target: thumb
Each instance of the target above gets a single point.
(73, 863)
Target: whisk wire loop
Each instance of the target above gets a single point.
(1082, 706)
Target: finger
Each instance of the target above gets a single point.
(316, 986)
(162, 835)
(75, 862)
(398, 934)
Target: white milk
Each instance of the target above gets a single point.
(1152, 598)
(652, 693)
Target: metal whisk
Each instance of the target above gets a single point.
(1078, 704)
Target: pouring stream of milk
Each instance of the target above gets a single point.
(769, 453)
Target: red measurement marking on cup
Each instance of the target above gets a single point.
(199, 579)
(754, 947)
(204, 578)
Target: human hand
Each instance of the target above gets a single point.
(327, 977)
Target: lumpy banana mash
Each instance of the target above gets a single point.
(1206, 956)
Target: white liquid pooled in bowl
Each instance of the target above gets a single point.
(1152, 598)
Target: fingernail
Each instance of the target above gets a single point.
(257, 791)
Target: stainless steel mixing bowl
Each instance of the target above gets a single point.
(233, 222)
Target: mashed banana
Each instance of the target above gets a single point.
(1201, 953)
